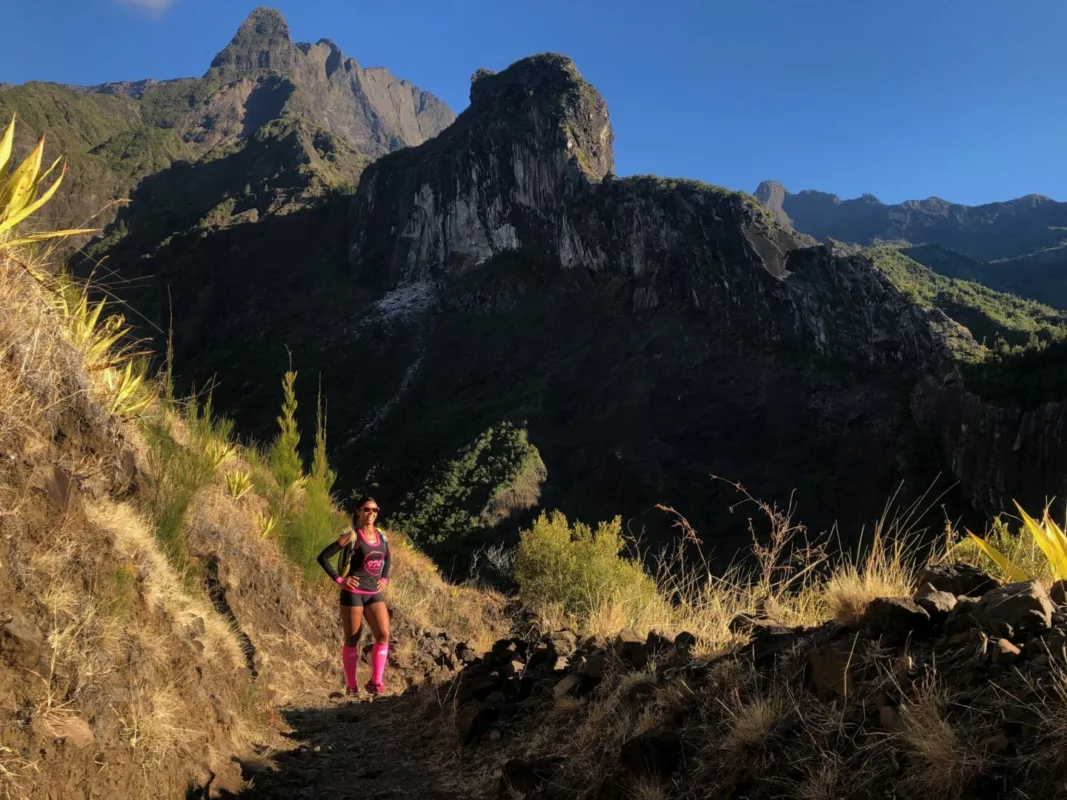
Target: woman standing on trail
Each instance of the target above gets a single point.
(362, 574)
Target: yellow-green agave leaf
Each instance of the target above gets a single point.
(1007, 568)
(1050, 539)
(5, 146)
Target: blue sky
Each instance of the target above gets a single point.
(903, 99)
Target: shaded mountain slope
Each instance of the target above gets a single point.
(1017, 246)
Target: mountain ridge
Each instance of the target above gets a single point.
(261, 75)
(1017, 246)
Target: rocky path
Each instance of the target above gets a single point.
(369, 749)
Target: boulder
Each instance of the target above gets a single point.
(937, 603)
(477, 682)
(74, 730)
(830, 672)
(752, 625)
(553, 651)
(631, 649)
(474, 719)
(465, 653)
(568, 685)
(958, 579)
(1005, 653)
(505, 650)
(684, 644)
(1016, 609)
(656, 643)
(21, 644)
(962, 617)
(1058, 592)
(896, 616)
(592, 666)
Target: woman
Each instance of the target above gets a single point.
(362, 574)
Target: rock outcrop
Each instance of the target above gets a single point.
(370, 108)
(752, 718)
(528, 168)
(996, 453)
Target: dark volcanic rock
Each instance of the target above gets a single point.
(897, 616)
(936, 603)
(1020, 608)
(474, 719)
(958, 579)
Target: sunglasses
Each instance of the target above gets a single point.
(370, 509)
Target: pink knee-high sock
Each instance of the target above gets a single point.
(350, 660)
(378, 656)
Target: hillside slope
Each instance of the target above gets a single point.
(1017, 246)
(152, 632)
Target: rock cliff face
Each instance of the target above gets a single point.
(996, 453)
(370, 108)
(648, 332)
(527, 168)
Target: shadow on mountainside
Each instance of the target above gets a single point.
(367, 749)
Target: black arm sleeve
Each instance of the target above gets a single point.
(329, 552)
(388, 558)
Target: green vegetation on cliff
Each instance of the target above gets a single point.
(992, 317)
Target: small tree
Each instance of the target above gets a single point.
(284, 458)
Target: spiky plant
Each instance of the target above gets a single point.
(21, 195)
(20, 192)
(239, 483)
(266, 524)
(1047, 535)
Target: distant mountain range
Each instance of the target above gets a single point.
(1017, 246)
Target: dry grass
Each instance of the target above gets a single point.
(15, 775)
(162, 587)
(751, 722)
(417, 588)
(155, 723)
(948, 754)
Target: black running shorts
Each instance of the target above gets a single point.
(353, 600)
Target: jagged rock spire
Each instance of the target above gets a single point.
(261, 43)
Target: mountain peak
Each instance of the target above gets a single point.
(261, 43)
(772, 195)
(545, 95)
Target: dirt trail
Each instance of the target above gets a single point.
(367, 749)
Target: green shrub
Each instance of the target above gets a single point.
(175, 475)
(462, 497)
(579, 569)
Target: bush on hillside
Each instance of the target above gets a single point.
(498, 473)
(579, 569)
